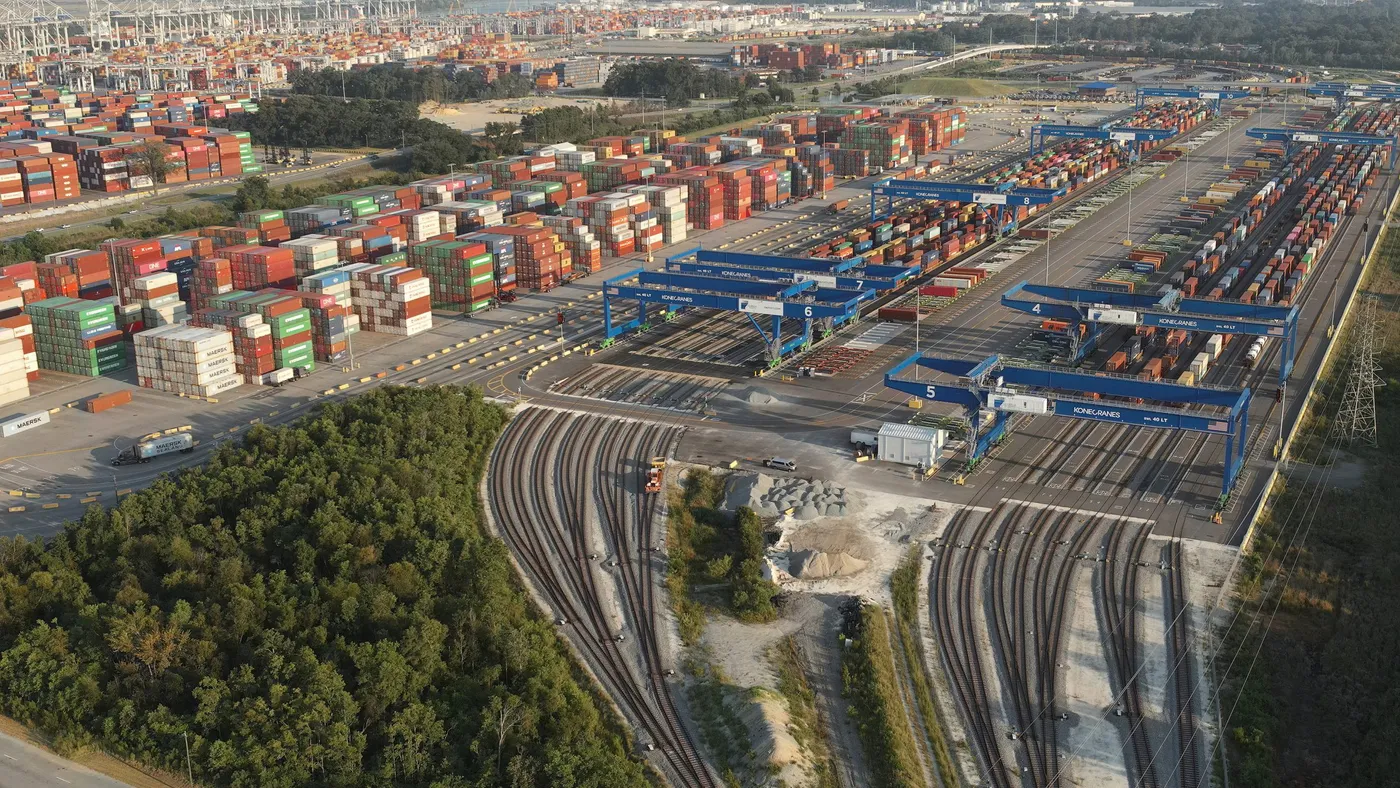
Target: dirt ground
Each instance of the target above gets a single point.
(473, 116)
(872, 539)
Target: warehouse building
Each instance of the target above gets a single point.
(1097, 91)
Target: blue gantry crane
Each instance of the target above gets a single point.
(1003, 195)
(1170, 311)
(1133, 136)
(852, 273)
(760, 301)
(1295, 137)
(1345, 94)
(1007, 387)
(1213, 95)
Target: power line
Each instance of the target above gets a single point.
(1357, 416)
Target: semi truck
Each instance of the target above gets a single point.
(145, 451)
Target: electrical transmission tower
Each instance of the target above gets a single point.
(1357, 416)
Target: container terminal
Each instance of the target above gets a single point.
(1085, 333)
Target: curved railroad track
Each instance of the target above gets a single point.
(545, 480)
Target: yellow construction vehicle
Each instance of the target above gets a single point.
(655, 474)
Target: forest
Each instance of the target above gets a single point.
(677, 81)
(1289, 32)
(575, 124)
(320, 122)
(319, 605)
(412, 85)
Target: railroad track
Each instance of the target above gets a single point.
(952, 587)
(1077, 454)
(1189, 768)
(1028, 557)
(548, 473)
(1118, 583)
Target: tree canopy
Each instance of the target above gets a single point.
(412, 85)
(317, 606)
(677, 81)
(1289, 32)
(320, 122)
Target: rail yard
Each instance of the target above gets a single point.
(1066, 525)
(1106, 374)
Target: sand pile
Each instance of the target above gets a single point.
(814, 564)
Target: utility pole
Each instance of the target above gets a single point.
(189, 767)
(1357, 416)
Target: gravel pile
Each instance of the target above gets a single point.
(771, 497)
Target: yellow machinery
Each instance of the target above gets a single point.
(655, 474)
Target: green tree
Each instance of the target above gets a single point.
(150, 160)
(316, 606)
(254, 193)
(503, 137)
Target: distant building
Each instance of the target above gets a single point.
(1097, 90)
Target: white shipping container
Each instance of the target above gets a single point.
(20, 424)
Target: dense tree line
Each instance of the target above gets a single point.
(575, 124)
(677, 81)
(256, 192)
(751, 595)
(320, 122)
(317, 606)
(1287, 32)
(394, 82)
(34, 245)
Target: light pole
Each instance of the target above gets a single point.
(1186, 176)
(1129, 240)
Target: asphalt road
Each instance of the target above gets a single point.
(22, 765)
(61, 222)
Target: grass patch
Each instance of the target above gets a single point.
(715, 559)
(956, 86)
(904, 586)
(721, 729)
(805, 721)
(868, 675)
(1317, 708)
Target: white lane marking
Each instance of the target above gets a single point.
(60, 779)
